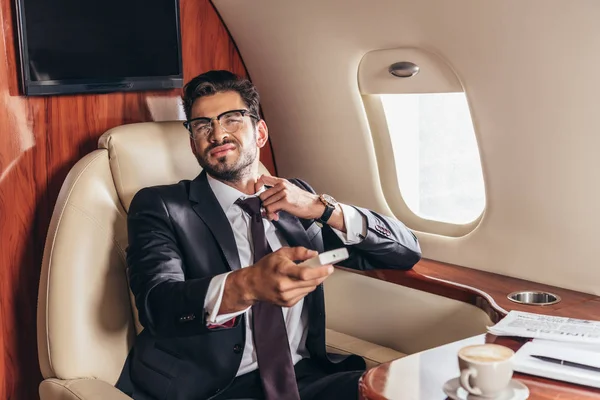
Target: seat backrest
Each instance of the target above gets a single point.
(86, 320)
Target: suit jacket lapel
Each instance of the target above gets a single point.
(207, 207)
(292, 230)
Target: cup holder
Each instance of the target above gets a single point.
(534, 298)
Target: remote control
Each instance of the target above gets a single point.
(328, 257)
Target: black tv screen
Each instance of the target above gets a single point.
(94, 46)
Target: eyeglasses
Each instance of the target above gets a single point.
(230, 122)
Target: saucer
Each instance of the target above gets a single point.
(514, 391)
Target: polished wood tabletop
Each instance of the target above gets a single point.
(421, 376)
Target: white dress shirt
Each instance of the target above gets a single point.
(295, 317)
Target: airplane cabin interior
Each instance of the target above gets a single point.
(470, 122)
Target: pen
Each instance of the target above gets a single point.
(568, 363)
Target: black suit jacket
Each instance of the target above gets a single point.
(179, 239)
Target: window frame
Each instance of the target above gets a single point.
(386, 164)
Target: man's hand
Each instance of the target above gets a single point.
(284, 195)
(276, 279)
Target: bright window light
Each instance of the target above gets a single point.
(437, 159)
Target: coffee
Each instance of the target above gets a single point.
(485, 369)
(488, 353)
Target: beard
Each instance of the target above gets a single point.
(228, 171)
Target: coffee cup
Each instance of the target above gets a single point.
(485, 369)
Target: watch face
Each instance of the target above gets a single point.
(329, 199)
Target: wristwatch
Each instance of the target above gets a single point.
(330, 204)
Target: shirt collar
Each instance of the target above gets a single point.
(227, 195)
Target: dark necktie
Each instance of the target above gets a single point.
(270, 336)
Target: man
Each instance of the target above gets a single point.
(227, 312)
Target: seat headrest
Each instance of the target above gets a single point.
(148, 154)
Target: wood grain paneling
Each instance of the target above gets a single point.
(40, 140)
(487, 290)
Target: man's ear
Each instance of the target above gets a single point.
(262, 135)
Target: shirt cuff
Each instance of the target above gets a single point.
(212, 302)
(356, 226)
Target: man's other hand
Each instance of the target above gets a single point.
(284, 195)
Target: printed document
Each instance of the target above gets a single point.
(530, 325)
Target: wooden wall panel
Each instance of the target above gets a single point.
(40, 140)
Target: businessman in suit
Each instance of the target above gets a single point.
(226, 310)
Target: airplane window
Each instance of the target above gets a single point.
(436, 155)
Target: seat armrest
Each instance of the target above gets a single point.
(79, 389)
(373, 354)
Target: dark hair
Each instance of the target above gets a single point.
(213, 82)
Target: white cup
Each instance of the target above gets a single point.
(485, 369)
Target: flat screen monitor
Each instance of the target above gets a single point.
(95, 46)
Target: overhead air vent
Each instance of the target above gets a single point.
(404, 69)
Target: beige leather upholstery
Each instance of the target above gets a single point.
(86, 322)
(340, 343)
(80, 389)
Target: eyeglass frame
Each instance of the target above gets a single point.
(244, 112)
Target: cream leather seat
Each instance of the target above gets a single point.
(86, 321)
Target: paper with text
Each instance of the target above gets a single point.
(524, 324)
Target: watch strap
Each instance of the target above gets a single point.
(329, 208)
(326, 214)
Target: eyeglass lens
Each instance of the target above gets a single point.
(230, 122)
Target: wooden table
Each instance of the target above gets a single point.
(421, 376)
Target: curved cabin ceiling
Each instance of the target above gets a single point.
(530, 73)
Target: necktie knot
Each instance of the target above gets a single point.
(250, 205)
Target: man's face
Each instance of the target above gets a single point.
(227, 156)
